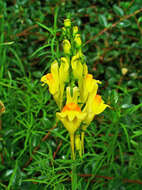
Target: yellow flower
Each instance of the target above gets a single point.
(94, 106)
(77, 66)
(88, 85)
(52, 79)
(77, 40)
(67, 22)
(48, 79)
(56, 80)
(64, 69)
(63, 77)
(66, 46)
(71, 117)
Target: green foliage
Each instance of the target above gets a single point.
(29, 35)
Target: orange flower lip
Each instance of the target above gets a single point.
(49, 76)
(71, 107)
(89, 76)
(98, 98)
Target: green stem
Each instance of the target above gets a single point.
(72, 145)
(82, 141)
(74, 177)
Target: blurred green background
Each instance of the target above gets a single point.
(111, 32)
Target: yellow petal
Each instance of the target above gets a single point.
(99, 106)
(77, 67)
(71, 117)
(54, 87)
(55, 71)
(85, 70)
(77, 40)
(44, 79)
(81, 116)
(66, 46)
(88, 86)
(64, 70)
(74, 96)
(67, 22)
(75, 30)
(63, 77)
(95, 105)
(48, 79)
(52, 79)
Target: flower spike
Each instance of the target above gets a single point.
(73, 88)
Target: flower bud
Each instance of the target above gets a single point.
(77, 40)
(66, 46)
(64, 70)
(64, 30)
(75, 30)
(67, 22)
(77, 66)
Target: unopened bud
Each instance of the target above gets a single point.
(75, 29)
(63, 30)
(66, 46)
(124, 71)
(64, 70)
(77, 40)
(67, 22)
(77, 67)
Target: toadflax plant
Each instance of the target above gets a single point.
(70, 82)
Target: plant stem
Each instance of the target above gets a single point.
(1, 154)
(72, 145)
(82, 141)
(74, 177)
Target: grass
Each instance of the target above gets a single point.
(35, 151)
